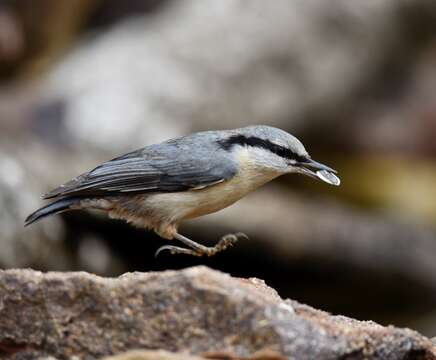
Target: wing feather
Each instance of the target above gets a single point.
(141, 172)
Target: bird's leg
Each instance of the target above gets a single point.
(197, 249)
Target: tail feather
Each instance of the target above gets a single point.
(53, 208)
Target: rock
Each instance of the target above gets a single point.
(166, 355)
(194, 311)
(200, 65)
(153, 355)
(34, 247)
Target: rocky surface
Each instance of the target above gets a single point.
(194, 311)
(166, 355)
(200, 65)
(153, 355)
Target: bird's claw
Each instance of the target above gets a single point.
(175, 250)
(237, 236)
(201, 250)
(228, 240)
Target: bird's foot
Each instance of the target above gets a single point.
(197, 249)
(176, 250)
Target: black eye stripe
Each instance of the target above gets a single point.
(261, 143)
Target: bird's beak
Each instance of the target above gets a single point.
(319, 171)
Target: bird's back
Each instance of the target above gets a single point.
(175, 165)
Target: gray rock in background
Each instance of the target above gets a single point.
(201, 65)
(195, 311)
(42, 246)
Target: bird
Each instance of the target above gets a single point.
(161, 185)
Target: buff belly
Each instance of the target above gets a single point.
(164, 211)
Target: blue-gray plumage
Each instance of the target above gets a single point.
(161, 185)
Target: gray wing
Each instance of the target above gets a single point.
(153, 169)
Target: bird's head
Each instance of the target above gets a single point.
(276, 150)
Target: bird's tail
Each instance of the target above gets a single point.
(56, 207)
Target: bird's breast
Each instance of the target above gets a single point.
(195, 203)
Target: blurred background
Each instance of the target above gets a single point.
(83, 81)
